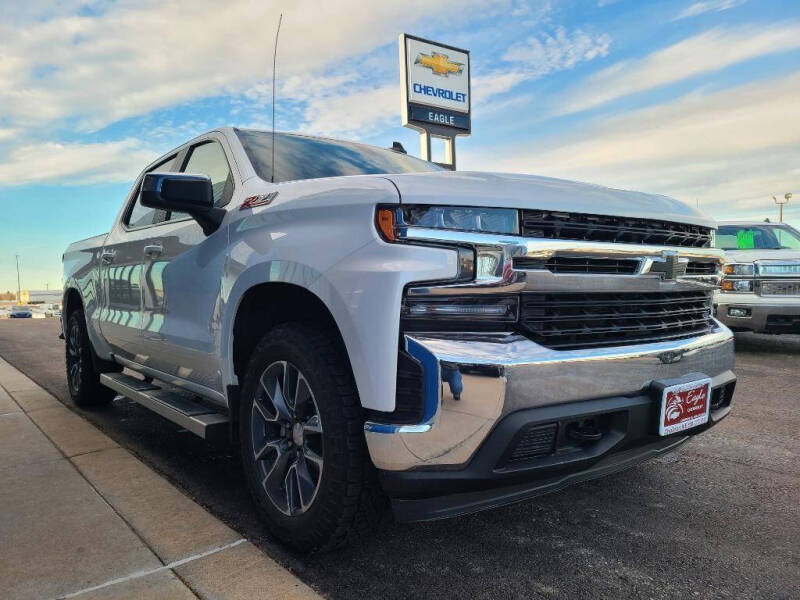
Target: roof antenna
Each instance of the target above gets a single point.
(274, 59)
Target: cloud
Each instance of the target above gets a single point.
(540, 55)
(129, 58)
(731, 149)
(75, 163)
(703, 53)
(7, 133)
(698, 8)
(355, 113)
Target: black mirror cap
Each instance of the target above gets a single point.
(183, 192)
(177, 191)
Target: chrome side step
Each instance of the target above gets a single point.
(179, 408)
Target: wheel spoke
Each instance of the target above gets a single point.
(274, 477)
(312, 426)
(302, 392)
(291, 486)
(313, 457)
(269, 445)
(275, 393)
(263, 412)
(306, 485)
(289, 386)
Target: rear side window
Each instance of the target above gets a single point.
(139, 215)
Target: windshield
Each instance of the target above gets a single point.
(300, 157)
(760, 237)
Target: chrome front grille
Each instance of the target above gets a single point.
(780, 288)
(617, 230)
(581, 265)
(569, 321)
(779, 269)
(695, 267)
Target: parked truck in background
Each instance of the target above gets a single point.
(366, 325)
(761, 287)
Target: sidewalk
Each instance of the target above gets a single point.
(82, 518)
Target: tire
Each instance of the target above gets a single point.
(83, 379)
(329, 493)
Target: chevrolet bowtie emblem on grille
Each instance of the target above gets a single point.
(439, 64)
(670, 266)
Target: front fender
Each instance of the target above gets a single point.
(333, 251)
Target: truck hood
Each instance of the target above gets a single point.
(760, 255)
(505, 190)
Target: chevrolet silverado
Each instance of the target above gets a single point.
(367, 325)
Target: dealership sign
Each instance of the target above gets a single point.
(435, 87)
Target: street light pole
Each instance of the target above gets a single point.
(780, 202)
(19, 287)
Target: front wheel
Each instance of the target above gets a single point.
(83, 379)
(302, 440)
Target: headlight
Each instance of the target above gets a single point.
(739, 269)
(476, 261)
(737, 285)
(393, 222)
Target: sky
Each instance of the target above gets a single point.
(696, 100)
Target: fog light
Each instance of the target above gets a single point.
(735, 311)
(470, 309)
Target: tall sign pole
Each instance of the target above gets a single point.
(19, 286)
(436, 93)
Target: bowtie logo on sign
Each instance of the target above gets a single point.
(439, 64)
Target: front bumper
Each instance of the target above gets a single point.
(766, 314)
(509, 373)
(496, 476)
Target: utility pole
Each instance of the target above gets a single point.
(780, 202)
(19, 286)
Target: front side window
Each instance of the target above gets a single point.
(209, 159)
(140, 215)
(788, 237)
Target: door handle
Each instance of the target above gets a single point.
(153, 250)
(107, 257)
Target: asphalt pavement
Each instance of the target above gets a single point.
(718, 519)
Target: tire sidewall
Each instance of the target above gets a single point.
(76, 323)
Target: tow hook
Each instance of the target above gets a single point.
(584, 431)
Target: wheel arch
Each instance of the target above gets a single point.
(265, 305)
(71, 301)
(259, 307)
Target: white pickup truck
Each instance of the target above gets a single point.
(366, 325)
(761, 283)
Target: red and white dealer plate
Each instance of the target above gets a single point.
(684, 406)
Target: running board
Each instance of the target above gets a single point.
(181, 409)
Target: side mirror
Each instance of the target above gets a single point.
(183, 192)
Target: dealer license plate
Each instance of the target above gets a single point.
(684, 406)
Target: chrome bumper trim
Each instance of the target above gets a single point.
(502, 374)
(502, 249)
(761, 307)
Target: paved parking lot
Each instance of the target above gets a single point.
(718, 519)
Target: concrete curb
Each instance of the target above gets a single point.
(86, 519)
